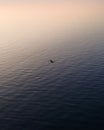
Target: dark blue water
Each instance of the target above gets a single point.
(68, 94)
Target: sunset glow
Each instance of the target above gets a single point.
(38, 17)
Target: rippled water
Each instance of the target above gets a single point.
(68, 94)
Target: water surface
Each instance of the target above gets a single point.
(35, 94)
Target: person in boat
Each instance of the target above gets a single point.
(51, 61)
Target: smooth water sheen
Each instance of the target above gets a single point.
(68, 94)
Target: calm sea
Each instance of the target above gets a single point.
(38, 95)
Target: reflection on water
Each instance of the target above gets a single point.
(35, 94)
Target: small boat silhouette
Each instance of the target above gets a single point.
(51, 61)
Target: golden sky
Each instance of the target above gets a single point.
(37, 18)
